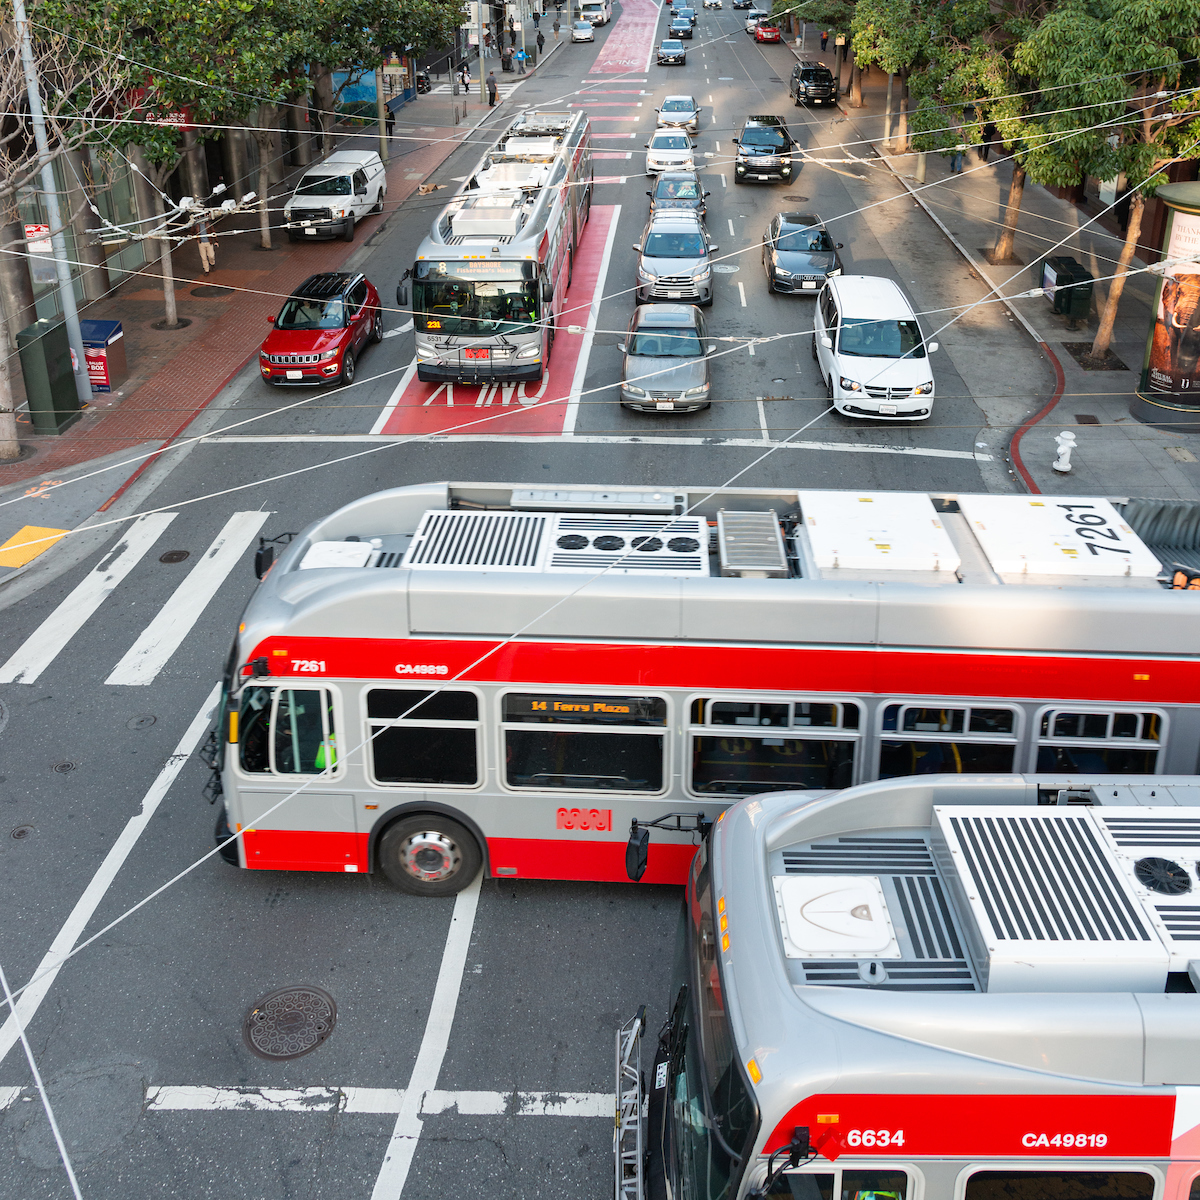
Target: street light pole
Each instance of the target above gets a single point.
(66, 288)
(479, 26)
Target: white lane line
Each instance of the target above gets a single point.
(86, 905)
(394, 398)
(718, 145)
(399, 1155)
(762, 418)
(9, 1096)
(750, 343)
(589, 334)
(164, 635)
(50, 638)
(742, 293)
(732, 232)
(723, 184)
(354, 1100)
(599, 439)
(398, 330)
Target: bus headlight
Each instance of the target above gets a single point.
(531, 351)
(426, 348)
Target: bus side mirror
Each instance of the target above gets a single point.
(401, 295)
(637, 852)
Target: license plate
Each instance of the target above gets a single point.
(295, 374)
(674, 295)
(667, 404)
(808, 283)
(887, 410)
(309, 230)
(477, 353)
(762, 177)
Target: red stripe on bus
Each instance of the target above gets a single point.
(754, 668)
(592, 861)
(1001, 1126)
(303, 850)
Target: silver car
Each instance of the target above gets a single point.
(679, 112)
(675, 259)
(665, 367)
(669, 150)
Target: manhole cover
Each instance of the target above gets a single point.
(209, 291)
(20, 832)
(142, 722)
(174, 556)
(725, 268)
(63, 767)
(798, 199)
(289, 1022)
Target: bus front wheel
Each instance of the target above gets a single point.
(429, 856)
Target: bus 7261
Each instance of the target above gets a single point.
(675, 650)
(490, 280)
(930, 989)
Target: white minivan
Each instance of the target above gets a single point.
(873, 356)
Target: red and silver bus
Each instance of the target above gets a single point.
(930, 989)
(490, 280)
(512, 676)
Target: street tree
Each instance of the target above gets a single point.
(895, 36)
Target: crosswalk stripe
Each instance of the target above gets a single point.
(50, 638)
(162, 637)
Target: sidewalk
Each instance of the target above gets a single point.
(1116, 454)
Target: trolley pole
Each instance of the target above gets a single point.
(66, 288)
(482, 60)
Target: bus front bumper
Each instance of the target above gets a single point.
(434, 372)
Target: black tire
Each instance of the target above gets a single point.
(429, 855)
(348, 229)
(812, 345)
(378, 208)
(223, 836)
(292, 236)
(377, 327)
(737, 178)
(348, 367)
(797, 100)
(829, 388)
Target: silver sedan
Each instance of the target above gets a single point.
(679, 112)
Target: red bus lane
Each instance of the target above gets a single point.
(484, 408)
(629, 44)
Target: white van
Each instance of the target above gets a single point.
(873, 356)
(599, 12)
(334, 194)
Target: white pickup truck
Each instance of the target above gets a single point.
(334, 194)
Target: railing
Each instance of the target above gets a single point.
(628, 1141)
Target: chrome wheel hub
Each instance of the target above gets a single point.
(430, 856)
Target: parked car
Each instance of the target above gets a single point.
(766, 31)
(665, 364)
(870, 350)
(812, 83)
(583, 31)
(678, 191)
(679, 112)
(798, 253)
(669, 150)
(680, 28)
(764, 150)
(671, 53)
(334, 194)
(754, 16)
(675, 259)
(321, 329)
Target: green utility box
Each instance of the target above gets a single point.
(1067, 284)
(49, 379)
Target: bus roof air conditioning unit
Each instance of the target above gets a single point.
(625, 545)
(499, 217)
(751, 545)
(466, 541)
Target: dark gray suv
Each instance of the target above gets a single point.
(812, 83)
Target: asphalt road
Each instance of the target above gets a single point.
(137, 1036)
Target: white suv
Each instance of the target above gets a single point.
(871, 351)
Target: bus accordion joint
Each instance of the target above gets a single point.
(798, 1150)
(637, 851)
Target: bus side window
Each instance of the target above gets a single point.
(254, 723)
(1060, 1185)
(947, 741)
(874, 1185)
(303, 746)
(422, 737)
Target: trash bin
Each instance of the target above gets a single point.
(49, 380)
(104, 349)
(1067, 284)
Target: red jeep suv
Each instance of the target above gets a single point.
(321, 329)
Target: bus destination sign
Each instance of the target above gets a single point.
(586, 710)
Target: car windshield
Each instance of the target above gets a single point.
(299, 312)
(670, 141)
(821, 76)
(880, 339)
(583, 25)
(674, 245)
(680, 24)
(325, 185)
(799, 237)
(462, 307)
(671, 47)
(678, 106)
(674, 343)
(677, 189)
(759, 135)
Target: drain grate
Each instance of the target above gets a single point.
(796, 197)
(20, 832)
(1086, 419)
(289, 1022)
(142, 722)
(63, 768)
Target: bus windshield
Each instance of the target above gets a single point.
(476, 308)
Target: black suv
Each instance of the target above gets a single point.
(812, 83)
(764, 150)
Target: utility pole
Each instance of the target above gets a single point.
(482, 68)
(66, 288)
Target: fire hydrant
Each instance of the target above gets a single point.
(1066, 443)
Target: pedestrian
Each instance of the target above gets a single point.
(557, 27)
(989, 136)
(824, 38)
(511, 23)
(488, 45)
(390, 123)
(491, 89)
(208, 248)
(541, 41)
(465, 78)
(537, 16)
(512, 37)
(520, 57)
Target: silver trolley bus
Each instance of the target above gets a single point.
(931, 989)
(460, 674)
(490, 280)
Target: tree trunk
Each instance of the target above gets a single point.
(10, 448)
(323, 91)
(855, 83)
(1137, 202)
(262, 139)
(1003, 249)
(168, 273)
(86, 224)
(902, 116)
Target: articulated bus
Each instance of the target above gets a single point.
(930, 989)
(490, 280)
(467, 674)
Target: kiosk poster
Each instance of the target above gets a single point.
(1175, 338)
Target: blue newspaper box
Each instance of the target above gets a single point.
(104, 349)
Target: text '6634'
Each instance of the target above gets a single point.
(584, 818)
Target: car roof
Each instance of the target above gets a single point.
(802, 219)
(659, 316)
(675, 173)
(865, 294)
(810, 65)
(672, 42)
(325, 285)
(669, 133)
(681, 217)
(763, 119)
(690, 99)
